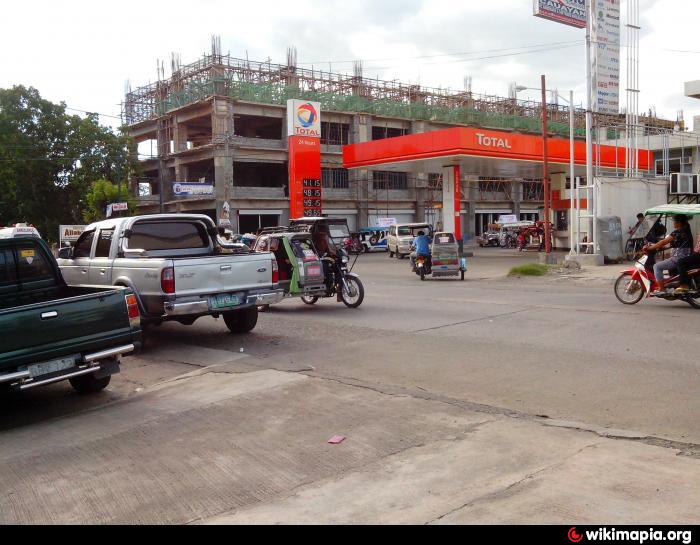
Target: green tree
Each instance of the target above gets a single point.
(103, 193)
(49, 160)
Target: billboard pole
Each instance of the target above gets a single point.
(592, 213)
(545, 173)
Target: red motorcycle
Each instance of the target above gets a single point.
(636, 284)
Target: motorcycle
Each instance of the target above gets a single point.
(635, 284)
(340, 282)
(424, 267)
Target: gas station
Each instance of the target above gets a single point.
(463, 152)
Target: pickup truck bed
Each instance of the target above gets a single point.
(52, 332)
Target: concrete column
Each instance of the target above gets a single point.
(517, 196)
(419, 127)
(361, 131)
(472, 195)
(222, 134)
(180, 138)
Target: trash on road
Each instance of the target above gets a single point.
(336, 440)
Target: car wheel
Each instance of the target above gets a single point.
(88, 384)
(241, 321)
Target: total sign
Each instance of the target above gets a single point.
(304, 118)
(493, 141)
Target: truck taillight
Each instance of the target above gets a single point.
(132, 306)
(275, 272)
(167, 280)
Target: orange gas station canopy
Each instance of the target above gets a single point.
(479, 152)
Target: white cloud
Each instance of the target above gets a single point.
(84, 51)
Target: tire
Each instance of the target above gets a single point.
(88, 384)
(374, 241)
(391, 254)
(240, 322)
(264, 308)
(462, 276)
(311, 301)
(621, 287)
(422, 275)
(360, 297)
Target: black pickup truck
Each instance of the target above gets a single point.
(50, 332)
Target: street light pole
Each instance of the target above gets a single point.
(545, 171)
(573, 185)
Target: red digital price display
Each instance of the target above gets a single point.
(313, 198)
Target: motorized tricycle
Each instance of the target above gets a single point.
(328, 236)
(444, 261)
(638, 283)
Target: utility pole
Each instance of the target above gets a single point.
(545, 173)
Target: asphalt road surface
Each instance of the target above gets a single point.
(489, 400)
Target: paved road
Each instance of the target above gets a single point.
(483, 401)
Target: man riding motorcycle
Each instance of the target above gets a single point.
(420, 248)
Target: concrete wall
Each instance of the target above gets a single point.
(626, 198)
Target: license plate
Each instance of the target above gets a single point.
(225, 300)
(313, 271)
(50, 367)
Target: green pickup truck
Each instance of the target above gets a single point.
(50, 332)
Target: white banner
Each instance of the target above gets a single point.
(70, 233)
(183, 189)
(605, 58)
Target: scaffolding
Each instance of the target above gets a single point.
(267, 83)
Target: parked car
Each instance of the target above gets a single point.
(176, 268)
(53, 332)
(374, 239)
(401, 237)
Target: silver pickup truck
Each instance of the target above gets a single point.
(176, 268)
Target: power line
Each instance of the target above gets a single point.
(477, 52)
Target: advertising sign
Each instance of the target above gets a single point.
(70, 233)
(568, 12)
(605, 34)
(386, 222)
(184, 189)
(304, 118)
(117, 207)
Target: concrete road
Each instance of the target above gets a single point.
(492, 400)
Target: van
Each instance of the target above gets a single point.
(401, 237)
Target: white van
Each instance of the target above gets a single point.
(20, 230)
(401, 237)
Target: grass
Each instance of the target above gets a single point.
(531, 269)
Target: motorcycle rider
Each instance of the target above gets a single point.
(421, 248)
(681, 242)
(326, 251)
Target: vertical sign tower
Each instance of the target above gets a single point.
(304, 132)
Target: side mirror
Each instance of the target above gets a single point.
(65, 253)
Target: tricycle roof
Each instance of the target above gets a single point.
(674, 209)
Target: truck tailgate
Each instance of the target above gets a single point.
(222, 274)
(86, 319)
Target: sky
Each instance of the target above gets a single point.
(83, 52)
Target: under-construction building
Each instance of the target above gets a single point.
(222, 120)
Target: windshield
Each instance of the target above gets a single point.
(339, 232)
(413, 231)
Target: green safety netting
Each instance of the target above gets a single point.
(279, 94)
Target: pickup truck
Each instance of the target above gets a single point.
(177, 269)
(51, 332)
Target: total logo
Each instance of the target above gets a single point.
(493, 142)
(307, 115)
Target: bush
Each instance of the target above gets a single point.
(531, 269)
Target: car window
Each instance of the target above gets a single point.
(84, 245)
(7, 268)
(32, 264)
(405, 232)
(166, 235)
(104, 242)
